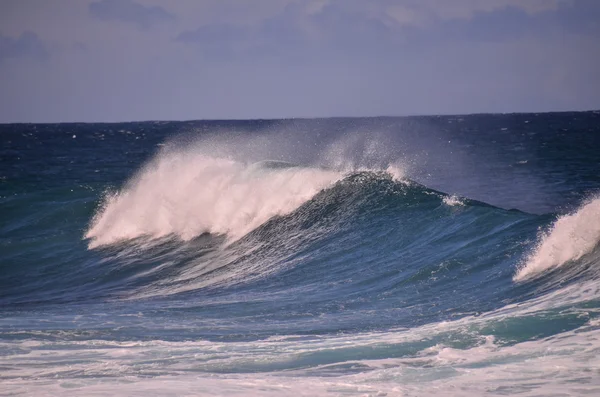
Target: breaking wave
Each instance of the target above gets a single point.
(569, 238)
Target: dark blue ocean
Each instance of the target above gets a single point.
(416, 256)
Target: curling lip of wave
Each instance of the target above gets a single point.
(187, 194)
(571, 237)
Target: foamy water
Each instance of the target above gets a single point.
(185, 194)
(254, 368)
(570, 238)
(453, 201)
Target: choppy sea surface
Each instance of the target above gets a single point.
(445, 255)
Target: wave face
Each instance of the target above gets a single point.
(302, 257)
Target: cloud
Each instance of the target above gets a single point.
(284, 58)
(299, 30)
(582, 17)
(130, 12)
(28, 44)
(467, 9)
(390, 26)
(513, 23)
(218, 41)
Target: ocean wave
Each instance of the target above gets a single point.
(187, 194)
(569, 238)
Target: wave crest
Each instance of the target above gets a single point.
(188, 194)
(571, 237)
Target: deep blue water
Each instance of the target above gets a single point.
(454, 255)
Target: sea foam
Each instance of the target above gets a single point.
(570, 237)
(186, 194)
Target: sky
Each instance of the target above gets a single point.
(125, 60)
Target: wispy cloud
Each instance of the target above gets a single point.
(388, 26)
(130, 12)
(28, 44)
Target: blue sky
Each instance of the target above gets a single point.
(120, 60)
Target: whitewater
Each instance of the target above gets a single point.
(379, 257)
